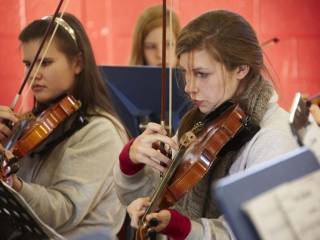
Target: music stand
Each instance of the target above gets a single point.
(18, 221)
(136, 94)
(232, 191)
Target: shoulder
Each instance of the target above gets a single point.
(103, 125)
(272, 140)
(275, 128)
(275, 118)
(275, 133)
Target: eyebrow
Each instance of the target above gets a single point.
(199, 69)
(38, 60)
(194, 69)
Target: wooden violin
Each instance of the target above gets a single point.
(29, 133)
(303, 126)
(199, 151)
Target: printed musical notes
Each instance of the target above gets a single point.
(290, 211)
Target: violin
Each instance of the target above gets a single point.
(303, 126)
(31, 132)
(199, 151)
(299, 113)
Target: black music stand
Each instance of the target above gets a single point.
(18, 221)
(136, 94)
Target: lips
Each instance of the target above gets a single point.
(198, 103)
(37, 87)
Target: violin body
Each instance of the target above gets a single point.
(193, 161)
(202, 154)
(38, 130)
(29, 134)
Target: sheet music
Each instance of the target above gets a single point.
(46, 229)
(300, 202)
(289, 211)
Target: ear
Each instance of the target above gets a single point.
(242, 71)
(78, 64)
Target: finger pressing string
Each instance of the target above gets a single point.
(156, 164)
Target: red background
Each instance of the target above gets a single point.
(110, 25)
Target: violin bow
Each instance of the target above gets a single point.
(171, 56)
(163, 65)
(163, 69)
(164, 74)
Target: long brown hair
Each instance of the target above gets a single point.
(150, 19)
(227, 37)
(89, 86)
(230, 40)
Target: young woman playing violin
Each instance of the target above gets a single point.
(68, 181)
(221, 61)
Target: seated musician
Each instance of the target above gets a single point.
(221, 60)
(147, 37)
(68, 182)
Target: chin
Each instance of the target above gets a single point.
(204, 110)
(42, 99)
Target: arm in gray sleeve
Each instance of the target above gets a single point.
(80, 178)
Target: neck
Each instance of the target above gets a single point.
(40, 107)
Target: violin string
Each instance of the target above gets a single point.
(23, 101)
(161, 186)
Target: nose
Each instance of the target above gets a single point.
(159, 52)
(35, 76)
(190, 87)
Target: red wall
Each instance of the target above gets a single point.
(110, 24)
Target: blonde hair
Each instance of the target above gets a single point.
(150, 19)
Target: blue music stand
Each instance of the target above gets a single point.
(136, 94)
(232, 191)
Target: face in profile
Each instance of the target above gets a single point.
(152, 48)
(56, 74)
(207, 82)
